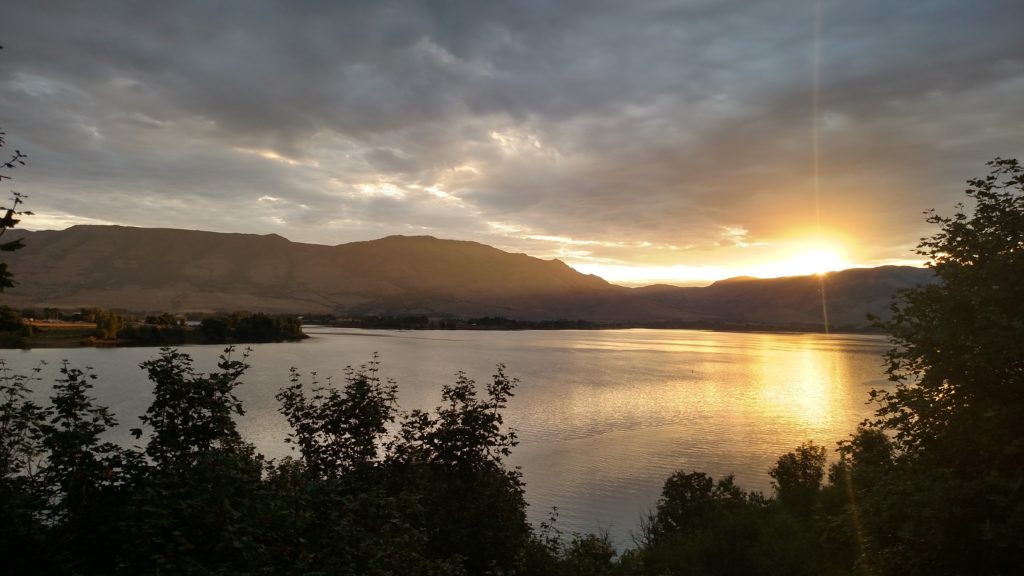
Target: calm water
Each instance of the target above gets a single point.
(603, 416)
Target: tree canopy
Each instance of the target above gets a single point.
(958, 359)
(939, 474)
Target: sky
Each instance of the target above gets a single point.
(644, 141)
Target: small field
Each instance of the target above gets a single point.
(61, 324)
(59, 334)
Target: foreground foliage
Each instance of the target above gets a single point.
(432, 497)
(946, 494)
(10, 215)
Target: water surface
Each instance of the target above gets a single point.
(603, 416)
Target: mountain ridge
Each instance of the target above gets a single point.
(166, 269)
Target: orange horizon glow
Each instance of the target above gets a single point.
(796, 257)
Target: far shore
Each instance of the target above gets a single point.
(66, 334)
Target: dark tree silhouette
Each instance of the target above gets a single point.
(10, 218)
(958, 359)
(797, 476)
(946, 494)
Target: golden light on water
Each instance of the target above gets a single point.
(800, 385)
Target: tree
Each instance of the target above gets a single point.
(215, 329)
(10, 319)
(77, 462)
(958, 356)
(467, 432)
(797, 476)
(83, 476)
(192, 414)
(588, 555)
(691, 501)
(20, 422)
(21, 452)
(108, 324)
(702, 526)
(946, 495)
(10, 217)
(193, 507)
(453, 460)
(163, 319)
(339, 431)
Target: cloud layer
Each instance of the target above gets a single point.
(671, 135)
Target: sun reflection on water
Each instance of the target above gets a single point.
(800, 385)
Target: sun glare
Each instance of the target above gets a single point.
(680, 275)
(818, 261)
(801, 258)
(804, 261)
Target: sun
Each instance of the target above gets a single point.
(803, 260)
(797, 255)
(817, 261)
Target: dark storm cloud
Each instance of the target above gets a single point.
(607, 123)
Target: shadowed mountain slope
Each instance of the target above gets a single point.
(181, 270)
(850, 295)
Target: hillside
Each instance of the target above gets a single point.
(850, 295)
(181, 270)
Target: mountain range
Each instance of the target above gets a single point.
(147, 269)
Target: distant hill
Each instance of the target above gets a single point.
(850, 295)
(144, 269)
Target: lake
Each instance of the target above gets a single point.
(604, 417)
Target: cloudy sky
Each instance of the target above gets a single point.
(643, 141)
